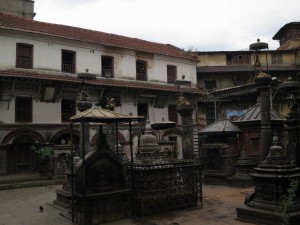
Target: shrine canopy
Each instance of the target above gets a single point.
(99, 115)
(220, 127)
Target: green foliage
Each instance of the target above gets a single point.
(44, 153)
(288, 201)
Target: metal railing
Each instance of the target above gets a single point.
(24, 62)
(68, 68)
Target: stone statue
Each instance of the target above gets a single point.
(183, 100)
(83, 95)
(111, 103)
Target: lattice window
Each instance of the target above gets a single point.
(171, 74)
(68, 64)
(172, 113)
(141, 70)
(107, 63)
(24, 56)
(68, 109)
(23, 109)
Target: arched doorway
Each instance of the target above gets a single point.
(19, 154)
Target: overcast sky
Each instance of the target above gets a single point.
(202, 25)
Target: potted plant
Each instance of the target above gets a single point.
(44, 154)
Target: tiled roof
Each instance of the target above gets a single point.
(254, 114)
(103, 116)
(101, 82)
(220, 127)
(232, 89)
(16, 23)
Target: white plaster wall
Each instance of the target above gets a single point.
(8, 52)
(7, 110)
(157, 115)
(127, 108)
(46, 112)
(125, 67)
(47, 56)
(183, 68)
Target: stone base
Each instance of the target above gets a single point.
(63, 198)
(215, 178)
(103, 207)
(240, 181)
(258, 216)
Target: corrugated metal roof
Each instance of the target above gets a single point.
(224, 126)
(254, 114)
(102, 116)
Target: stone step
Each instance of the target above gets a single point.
(36, 183)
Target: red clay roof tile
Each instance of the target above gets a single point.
(16, 23)
(104, 82)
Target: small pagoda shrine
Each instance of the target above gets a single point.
(220, 150)
(251, 132)
(272, 178)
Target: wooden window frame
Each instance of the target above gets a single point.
(68, 66)
(171, 74)
(276, 58)
(140, 75)
(208, 83)
(107, 70)
(172, 113)
(23, 110)
(24, 60)
(140, 111)
(67, 113)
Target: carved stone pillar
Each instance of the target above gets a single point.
(186, 112)
(263, 84)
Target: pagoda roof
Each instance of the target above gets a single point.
(103, 116)
(220, 127)
(254, 114)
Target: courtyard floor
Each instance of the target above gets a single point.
(21, 207)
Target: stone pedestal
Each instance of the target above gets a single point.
(263, 84)
(64, 195)
(293, 129)
(186, 112)
(272, 180)
(244, 168)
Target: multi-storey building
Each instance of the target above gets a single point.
(39, 85)
(228, 76)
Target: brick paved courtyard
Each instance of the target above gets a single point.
(21, 207)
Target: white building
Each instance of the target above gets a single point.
(39, 63)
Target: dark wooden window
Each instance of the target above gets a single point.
(107, 69)
(210, 114)
(68, 64)
(171, 74)
(238, 59)
(24, 56)
(23, 110)
(172, 113)
(68, 109)
(276, 58)
(141, 70)
(210, 85)
(142, 110)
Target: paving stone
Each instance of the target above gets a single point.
(21, 207)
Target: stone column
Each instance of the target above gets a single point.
(84, 132)
(263, 84)
(185, 109)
